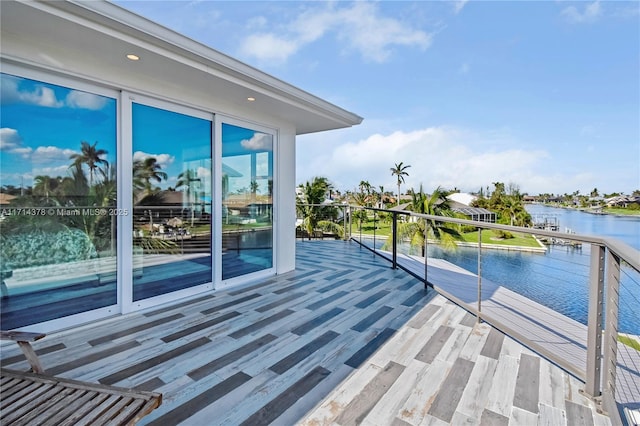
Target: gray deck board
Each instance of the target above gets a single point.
(555, 333)
(306, 346)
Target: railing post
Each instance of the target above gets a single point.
(594, 332)
(360, 224)
(374, 231)
(350, 222)
(345, 234)
(394, 234)
(479, 274)
(611, 325)
(426, 252)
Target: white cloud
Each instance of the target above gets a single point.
(360, 27)
(51, 171)
(9, 139)
(24, 152)
(438, 156)
(42, 96)
(84, 100)
(11, 142)
(268, 47)
(164, 160)
(46, 97)
(258, 142)
(590, 13)
(458, 5)
(44, 154)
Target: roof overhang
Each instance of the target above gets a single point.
(60, 32)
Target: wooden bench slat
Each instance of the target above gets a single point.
(73, 402)
(62, 401)
(80, 399)
(33, 398)
(23, 406)
(45, 406)
(108, 415)
(81, 412)
(90, 417)
(10, 386)
(17, 399)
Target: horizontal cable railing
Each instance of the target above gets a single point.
(574, 299)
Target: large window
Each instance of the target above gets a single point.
(58, 198)
(247, 201)
(60, 213)
(172, 201)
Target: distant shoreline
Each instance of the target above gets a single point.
(628, 213)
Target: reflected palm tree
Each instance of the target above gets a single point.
(186, 179)
(144, 171)
(46, 186)
(91, 156)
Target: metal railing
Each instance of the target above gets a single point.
(574, 301)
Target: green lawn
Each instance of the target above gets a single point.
(621, 211)
(368, 228)
(244, 226)
(632, 343)
(488, 236)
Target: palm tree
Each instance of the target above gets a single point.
(400, 171)
(254, 188)
(418, 230)
(76, 186)
(91, 156)
(359, 199)
(144, 171)
(45, 185)
(186, 178)
(365, 186)
(309, 207)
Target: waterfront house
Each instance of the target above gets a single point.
(120, 110)
(101, 108)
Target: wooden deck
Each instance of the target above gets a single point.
(553, 333)
(278, 351)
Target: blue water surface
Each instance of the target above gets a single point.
(559, 278)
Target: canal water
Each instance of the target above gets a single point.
(559, 278)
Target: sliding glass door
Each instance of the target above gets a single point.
(172, 196)
(247, 201)
(92, 225)
(58, 201)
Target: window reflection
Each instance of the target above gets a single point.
(172, 201)
(57, 202)
(247, 201)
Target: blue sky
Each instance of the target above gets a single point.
(545, 95)
(43, 125)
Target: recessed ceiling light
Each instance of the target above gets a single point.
(133, 57)
(251, 99)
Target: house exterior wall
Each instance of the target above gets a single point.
(49, 61)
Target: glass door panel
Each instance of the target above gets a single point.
(58, 202)
(172, 201)
(247, 201)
